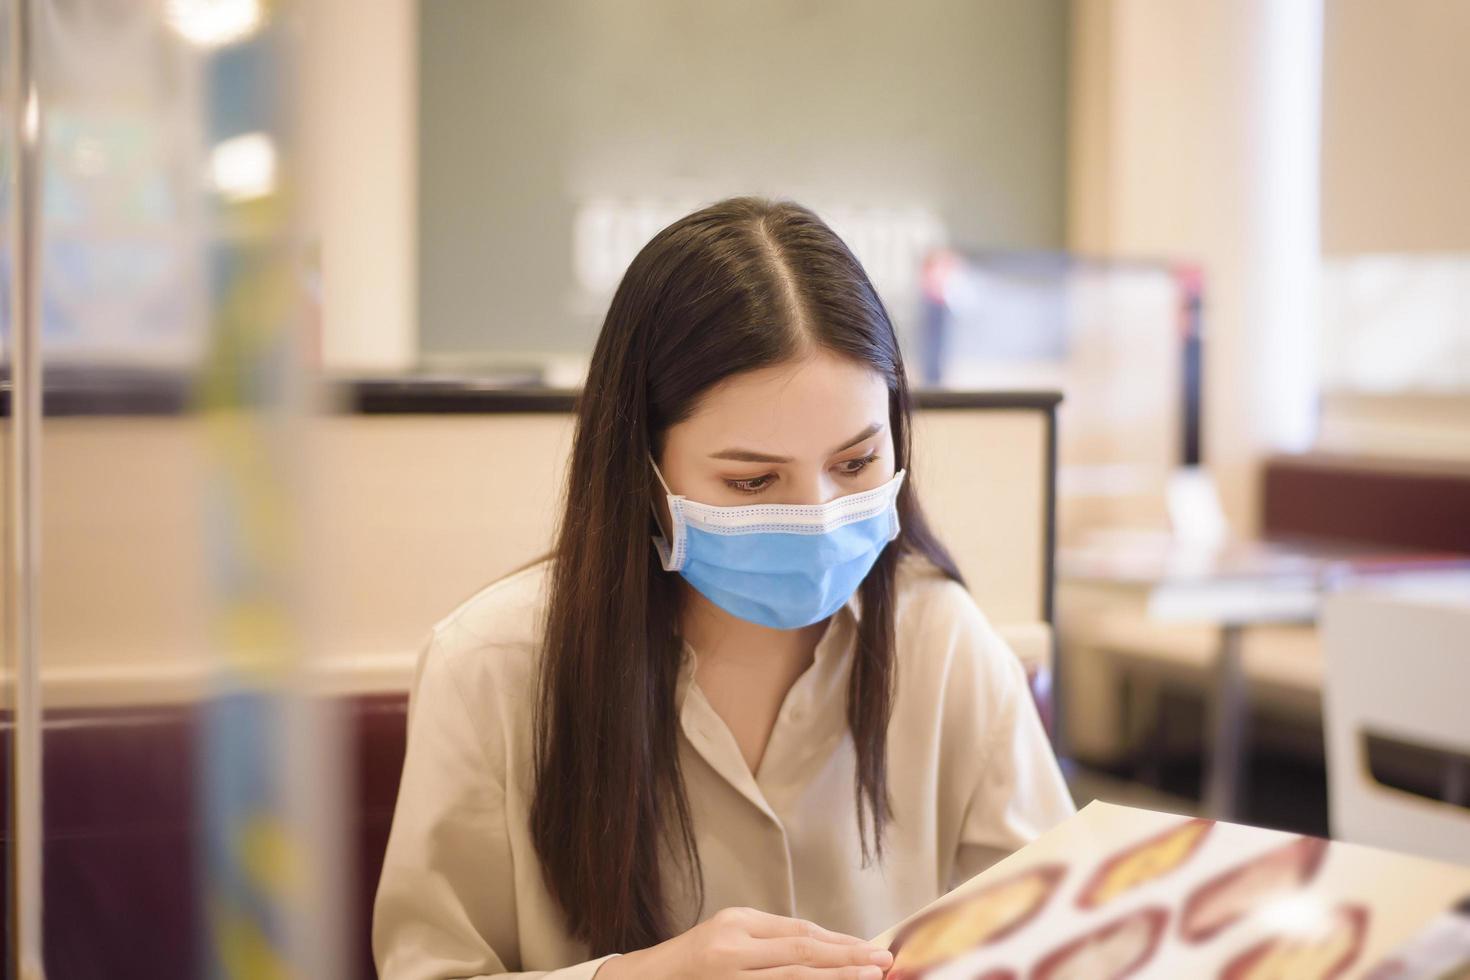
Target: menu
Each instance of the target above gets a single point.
(1118, 892)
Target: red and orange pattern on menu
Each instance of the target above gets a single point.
(1120, 893)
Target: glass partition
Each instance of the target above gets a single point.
(190, 824)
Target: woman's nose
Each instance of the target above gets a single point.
(813, 488)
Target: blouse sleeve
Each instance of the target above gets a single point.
(446, 904)
(1019, 792)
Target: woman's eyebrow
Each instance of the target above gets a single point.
(867, 433)
(751, 456)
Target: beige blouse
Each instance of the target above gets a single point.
(971, 776)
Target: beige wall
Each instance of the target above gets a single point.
(1396, 179)
(1156, 173)
(359, 126)
(1395, 126)
(1191, 129)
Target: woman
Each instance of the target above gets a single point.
(746, 712)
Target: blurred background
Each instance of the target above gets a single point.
(297, 296)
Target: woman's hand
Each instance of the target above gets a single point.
(746, 943)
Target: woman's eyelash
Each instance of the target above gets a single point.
(863, 464)
(746, 486)
(756, 484)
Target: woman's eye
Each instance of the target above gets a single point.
(753, 485)
(853, 467)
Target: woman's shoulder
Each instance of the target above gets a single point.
(508, 609)
(940, 627)
(927, 595)
(495, 633)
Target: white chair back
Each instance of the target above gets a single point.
(1399, 667)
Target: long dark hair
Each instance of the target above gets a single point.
(739, 285)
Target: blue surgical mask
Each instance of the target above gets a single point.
(780, 565)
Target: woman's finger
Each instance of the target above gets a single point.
(817, 973)
(761, 954)
(764, 925)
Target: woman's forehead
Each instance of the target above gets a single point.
(801, 408)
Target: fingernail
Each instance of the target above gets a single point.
(871, 973)
(882, 957)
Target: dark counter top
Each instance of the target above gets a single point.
(114, 392)
(410, 396)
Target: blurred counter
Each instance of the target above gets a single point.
(416, 492)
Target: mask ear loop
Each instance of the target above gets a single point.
(669, 552)
(898, 479)
(660, 476)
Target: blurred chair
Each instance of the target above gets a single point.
(1397, 667)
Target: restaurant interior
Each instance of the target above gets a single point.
(299, 297)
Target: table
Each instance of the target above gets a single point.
(1114, 875)
(1235, 587)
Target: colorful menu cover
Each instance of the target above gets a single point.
(1139, 894)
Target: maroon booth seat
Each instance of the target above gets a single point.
(122, 896)
(1401, 504)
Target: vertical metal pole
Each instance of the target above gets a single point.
(1224, 795)
(23, 518)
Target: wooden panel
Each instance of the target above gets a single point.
(982, 476)
(407, 515)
